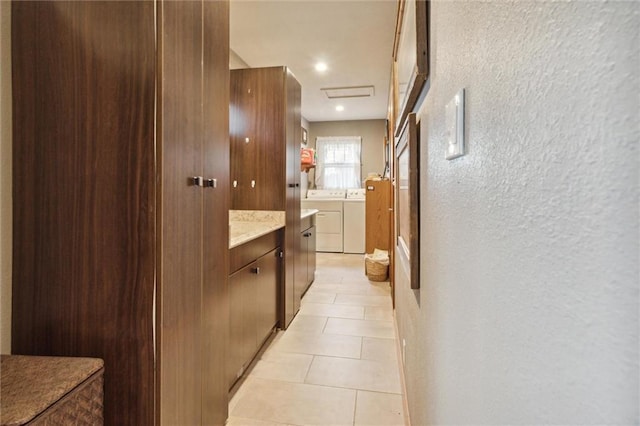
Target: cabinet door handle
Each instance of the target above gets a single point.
(211, 183)
(255, 270)
(307, 234)
(292, 185)
(253, 183)
(235, 183)
(196, 181)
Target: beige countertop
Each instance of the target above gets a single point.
(308, 212)
(247, 225)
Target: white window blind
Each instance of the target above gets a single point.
(338, 165)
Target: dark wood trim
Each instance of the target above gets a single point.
(421, 70)
(215, 249)
(409, 140)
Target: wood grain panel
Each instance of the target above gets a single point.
(244, 254)
(266, 294)
(180, 268)
(84, 191)
(257, 112)
(243, 155)
(237, 323)
(215, 290)
(377, 215)
(295, 267)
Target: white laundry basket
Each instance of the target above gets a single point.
(376, 265)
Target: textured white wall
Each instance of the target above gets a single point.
(5, 177)
(529, 307)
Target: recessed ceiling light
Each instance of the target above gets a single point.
(339, 108)
(321, 67)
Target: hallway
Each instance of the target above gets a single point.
(337, 362)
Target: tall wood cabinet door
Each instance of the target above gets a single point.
(242, 138)
(181, 209)
(83, 185)
(267, 118)
(215, 295)
(292, 231)
(257, 138)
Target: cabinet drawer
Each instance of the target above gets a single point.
(246, 253)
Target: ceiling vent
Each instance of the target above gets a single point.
(349, 92)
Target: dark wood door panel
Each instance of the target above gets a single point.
(84, 191)
(266, 294)
(311, 256)
(215, 292)
(236, 325)
(180, 138)
(257, 111)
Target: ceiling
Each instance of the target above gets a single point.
(354, 39)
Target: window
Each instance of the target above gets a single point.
(338, 165)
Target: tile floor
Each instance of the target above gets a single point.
(336, 364)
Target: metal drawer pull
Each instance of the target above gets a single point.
(255, 270)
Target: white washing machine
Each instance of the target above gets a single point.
(329, 225)
(354, 221)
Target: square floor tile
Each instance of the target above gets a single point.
(354, 374)
(295, 403)
(288, 367)
(365, 328)
(380, 350)
(378, 313)
(318, 297)
(363, 300)
(307, 324)
(319, 344)
(384, 409)
(332, 310)
(327, 278)
(239, 421)
(347, 288)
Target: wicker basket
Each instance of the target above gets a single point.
(375, 271)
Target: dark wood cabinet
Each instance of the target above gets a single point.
(307, 254)
(117, 254)
(243, 338)
(253, 301)
(265, 135)
(267, 280)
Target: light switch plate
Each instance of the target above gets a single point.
(454, 112)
